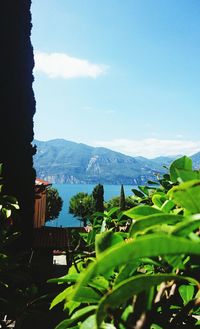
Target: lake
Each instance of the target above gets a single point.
(66, 191)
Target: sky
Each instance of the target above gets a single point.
(122, 74)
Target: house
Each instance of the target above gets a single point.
(40, 202)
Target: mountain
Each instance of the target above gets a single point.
(196, 160)
(166, 160)
(61, 161)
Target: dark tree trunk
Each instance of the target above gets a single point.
(17, 107)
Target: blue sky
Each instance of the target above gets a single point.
(124, 74)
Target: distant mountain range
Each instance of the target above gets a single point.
(60, 161)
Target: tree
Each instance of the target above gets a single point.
(81, 205)
(54, 204)
(122, 199)
(98, 193)
(115, 202)
(17, 105)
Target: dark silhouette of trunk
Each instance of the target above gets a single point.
(84, 221)
(17, 106)
(98, 196)
(122, 200)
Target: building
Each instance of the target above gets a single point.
(40, 202)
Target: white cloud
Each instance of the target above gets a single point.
(59, 65)
(151, 147)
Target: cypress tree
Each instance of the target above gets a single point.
(122, 199)
(17, 108)
(98, 196)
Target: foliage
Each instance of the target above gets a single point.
(81, 205)
(16, 287)
(122, 200)
(53, 204)
(115, 202)
(97, 194)
(146, 277)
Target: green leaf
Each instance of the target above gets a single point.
(67, 278)
(187, 226)
(183, 163)
(126, 271)
(156, 326)
(187, 195)
(152, 220)
(137, 193)
(89, 323)
(100, 283)
(146, 246)
(141, 211)
(186, 292)
(6, 212)
(130, 287)
(112, 211)
(78, 315)
(106, 240)
(61, 297)
(144, 189)
(167, 206)
(71, 306)
(175, 261)
(87, 295)
(187, 175)
(158, 199)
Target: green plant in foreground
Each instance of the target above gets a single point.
(147, 277)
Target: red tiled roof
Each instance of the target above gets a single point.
(54, 237)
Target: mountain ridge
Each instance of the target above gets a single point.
(67, 162)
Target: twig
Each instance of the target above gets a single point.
(180, 317)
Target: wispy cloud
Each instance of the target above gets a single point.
(60, 65)
(151, 147)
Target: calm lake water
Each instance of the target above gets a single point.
(66, 191)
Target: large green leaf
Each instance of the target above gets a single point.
(106, 240)
(187, 175)
(152, 220)
(146, 246)
(130, 287)
(78, 315)
(126, 271)
(84, 295)
(141, 211)
(183, 163)
(87, 295)
(187, 226)
(187, 195)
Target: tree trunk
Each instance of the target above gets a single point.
(17, 107)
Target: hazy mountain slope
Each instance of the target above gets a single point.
(61, 161)
(196, 160)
